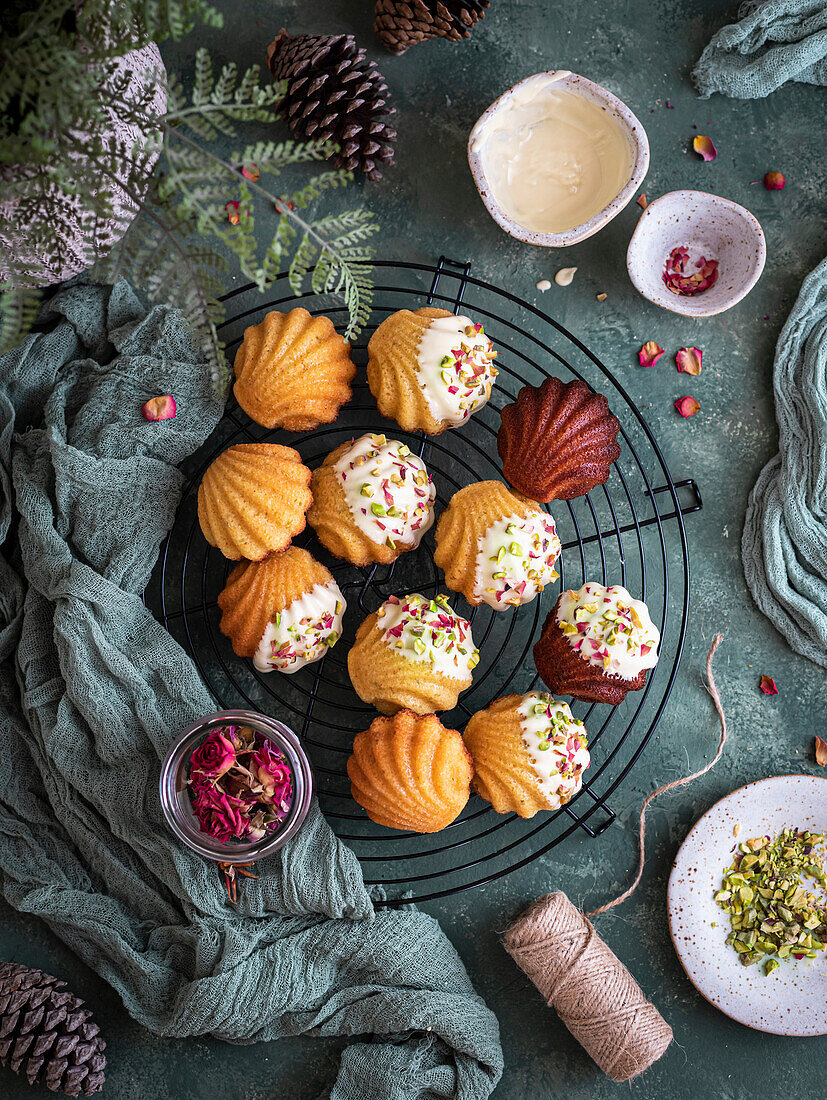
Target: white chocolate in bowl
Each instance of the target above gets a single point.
(553, 158)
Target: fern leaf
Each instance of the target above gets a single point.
(18, 311)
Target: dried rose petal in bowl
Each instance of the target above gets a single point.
(695, 253)
(239, 785)
(680, 281)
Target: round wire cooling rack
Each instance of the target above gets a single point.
(629, 531)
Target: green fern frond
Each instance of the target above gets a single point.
(18, 312)
(184, 204)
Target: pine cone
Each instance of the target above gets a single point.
(47, 1033)
(333, 94)
(403, 23)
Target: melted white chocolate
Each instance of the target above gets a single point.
(553, 158)
(455, 368)
(609, 629)
(388, 491)
(556, 746)
(303, 632)
(429, 631)
(516, 559)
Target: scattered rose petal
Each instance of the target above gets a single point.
(602, 297)
(642, 201)
(232, 209)
(544, 284)
(160, 408)
(669, 106)
(767, 685)
(649, 354)
(564, 276)
(689, 360)
(250, 171)
(821, 752)
(687, 406)
(288, 205)
(704, 148)
(774, 181)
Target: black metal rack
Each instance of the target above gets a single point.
(618, 533)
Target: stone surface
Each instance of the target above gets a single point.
(428, 205)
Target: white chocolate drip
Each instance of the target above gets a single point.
(610, 629)
(303, 632)
(556, 746)
(429, 631)
(455, 368)
(516, 559)
(388, 491)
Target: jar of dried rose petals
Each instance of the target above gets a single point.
(235, 786)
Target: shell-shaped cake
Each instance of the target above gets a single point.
(557, 441)
(597, 644)
(412, 654)
(429, 369)
(372, 500)
(283, 612)
(410, 772)
(293, 371)
(252, 500)
(529, 753)
(496, 546)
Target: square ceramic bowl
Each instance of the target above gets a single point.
(578, 85)
(708, 226)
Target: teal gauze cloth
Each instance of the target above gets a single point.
(93, 690)
(773, 42)
(784, 545)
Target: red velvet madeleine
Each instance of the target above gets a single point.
(597, 644)
(565, 672)
(557, 441)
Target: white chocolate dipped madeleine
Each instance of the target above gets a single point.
(429, 369)
(529, 753)
(373, 499)
(284, 612)
(413, 653)
(496, 546)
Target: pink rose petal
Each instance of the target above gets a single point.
(160, 408)
(687, 406)
(704, 148)
(649, 353)
(689, 360)
(767, 685)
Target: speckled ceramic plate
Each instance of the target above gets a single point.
(792, 1000)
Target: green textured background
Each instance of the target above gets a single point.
(427, 205)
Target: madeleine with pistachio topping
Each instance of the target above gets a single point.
(529, 753)
(496, 546)
(284, 612)
(413, 653)
(429, 369)
(597, 644)
(372, 500)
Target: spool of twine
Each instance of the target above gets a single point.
(588, 986)
(580, 976)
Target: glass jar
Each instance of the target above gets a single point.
(177, 806)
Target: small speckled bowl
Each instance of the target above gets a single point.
(708, 226)
(792, 1000)
(579, 85)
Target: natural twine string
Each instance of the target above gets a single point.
(712, 688)
(577, 973)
